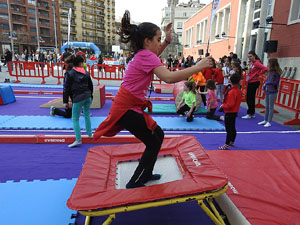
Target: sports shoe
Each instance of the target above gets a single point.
(52, 108)
(74, 144)
(222, 118)
(267, 124)
(224, 147)
(262, 122)
(153, 177)
(248, 116)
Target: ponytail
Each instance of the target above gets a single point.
(135, 35)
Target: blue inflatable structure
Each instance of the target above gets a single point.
(81, 45)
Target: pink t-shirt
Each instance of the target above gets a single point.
(212, 95)
(139, 73)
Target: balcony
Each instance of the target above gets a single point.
(19, 2)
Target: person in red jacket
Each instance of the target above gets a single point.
(231, 105)
(256, 69)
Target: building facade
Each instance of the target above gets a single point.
(30, 23)
(92, 21)
(222, 32)
(178, 13)
(285, 30)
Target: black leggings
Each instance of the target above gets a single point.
(251, 93)
(186, 108)
(230, 127)
(135, 123)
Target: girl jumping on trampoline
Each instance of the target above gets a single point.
(188, 101)
(127, 111)
(79, 87)
(231, 105)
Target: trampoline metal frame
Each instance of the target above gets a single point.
(212, 212)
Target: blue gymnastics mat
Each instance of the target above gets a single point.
(60, 123)
(171, 109)
(36, 202)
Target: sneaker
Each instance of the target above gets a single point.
(52, 108)
(134, 185)
(262, 122)
(267, 124)
(153, 177)
(74, 144)
(222, 118)
(224, 147)
(247, 116)
(231, 144)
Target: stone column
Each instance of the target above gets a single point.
(259, 48)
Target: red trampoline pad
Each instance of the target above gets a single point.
(95, 188)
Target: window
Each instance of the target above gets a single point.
(33, 29)
(179, 25)
(220, 23)
(33, 39)
(4, 16)
(257, 5)
(32, 20)
(256, 15)
(269, 7)
(3, 5)
(5, 26)
(295, 11)
(184, 14)
(31, 2)
(189, 38)
(31, 11)
(201, 32)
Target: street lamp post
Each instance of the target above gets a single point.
(36, 26)
(54, 21)
(10, 30)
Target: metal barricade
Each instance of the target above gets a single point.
(107, 72)
(289, 98)
(260, 93)
(58, 70)
(29, 70)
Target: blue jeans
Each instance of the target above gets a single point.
(76, 109)
(219, 91)
(270, 100)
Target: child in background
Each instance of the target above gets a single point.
(200, 83)
(212, 103)
(188, 101)
(79, 87)
(231, 105)
(271, 88)
(219, 80)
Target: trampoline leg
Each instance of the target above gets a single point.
(109, 219)
(212, 206)
(209, 213)
(87, 220)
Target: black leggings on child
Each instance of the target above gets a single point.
(186, 108)
(135, 123)
(230, 127)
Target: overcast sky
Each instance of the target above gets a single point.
(144, 10)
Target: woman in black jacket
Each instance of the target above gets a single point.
(79, 87)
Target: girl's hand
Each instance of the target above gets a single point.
(66, 105)
(169, 32)
(188, 114)
(205, 63)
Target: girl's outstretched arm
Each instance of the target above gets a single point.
(175, 76)
(167, 40)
